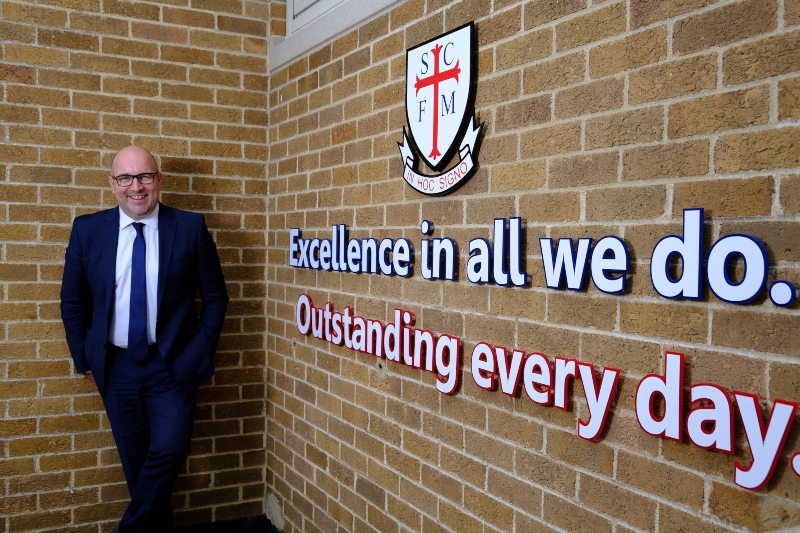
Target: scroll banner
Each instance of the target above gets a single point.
(437, 184)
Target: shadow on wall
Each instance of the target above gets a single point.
(253, 525)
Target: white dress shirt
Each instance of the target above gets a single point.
(118, 331)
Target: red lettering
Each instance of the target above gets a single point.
(425, 184)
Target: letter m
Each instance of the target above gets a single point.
(449, 110)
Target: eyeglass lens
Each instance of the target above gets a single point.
(125, 180)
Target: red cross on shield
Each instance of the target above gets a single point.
(440, 93)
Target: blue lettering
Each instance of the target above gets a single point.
(421, 109)
(424, 56)
(452, 108)
(444, 54)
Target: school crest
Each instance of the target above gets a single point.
(440, 96)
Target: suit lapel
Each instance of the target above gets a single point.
(166, 239)
(110, 236)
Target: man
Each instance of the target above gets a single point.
(131, 275)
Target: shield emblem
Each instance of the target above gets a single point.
(439, 91)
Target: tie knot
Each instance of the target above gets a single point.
(139, 227)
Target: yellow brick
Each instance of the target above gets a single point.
(633, 51)
(792, 13)
(758, 150)
(38, 96)
(789, 99)
(69, 80)
(18, 154)
(33, 521)
(775, 331)
(676, 78)
(552, 341)
(665, 320)
(213, 76)
(751, 509)
(583, 170)
(104, 25)
(17, 232)
(590, 98)
(500, 88)
(127, 47)
(634, 356)
(99, 63)
(725, 198)
(18, 32)
(644, 12)
(675, 521)
(38, 445)
(95, 102)
(593, 26)
(241, 25)
(187, 93)
(65, 156)
(60, 424)
(618, 502)
(20, 114)
(628, 127)
(208, 39)
(42, 330)
(721, 112)
(241, 62)
(566, 515)
(540, 12)
(724, 25)
(623, 203)
(550, 140)
(766, 57)
(554, 73)
(217, 149)
(188, 17)
(520, 176)
(525, 49)
(790, 194)
(666, 161)
(36, 55)
(159, 32)
(35, 135)
(35, 15)
(68, 39)
(17, 73)
(158, 70)
(583, 311)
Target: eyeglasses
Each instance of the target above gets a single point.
(126, 180)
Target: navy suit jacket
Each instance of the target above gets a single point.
(187, 263)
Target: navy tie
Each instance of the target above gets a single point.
(137, 326)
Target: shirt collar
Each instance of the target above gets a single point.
(150, 220)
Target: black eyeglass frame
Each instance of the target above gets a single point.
(140, 177)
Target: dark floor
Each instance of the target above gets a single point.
(253, 525)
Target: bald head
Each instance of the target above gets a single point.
(138, 199)
(133, 153)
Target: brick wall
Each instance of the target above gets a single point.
(601, 118)
(80, 79)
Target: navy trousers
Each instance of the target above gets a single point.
(151, 419)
